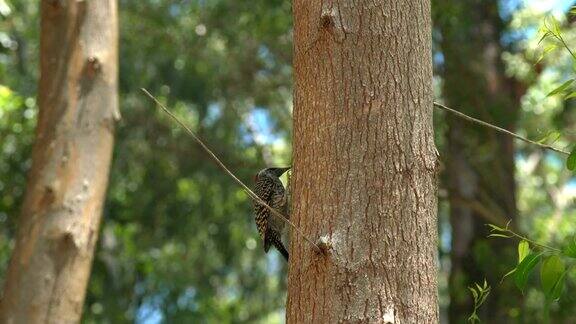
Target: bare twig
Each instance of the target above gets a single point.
(501, 130)
(248, 191)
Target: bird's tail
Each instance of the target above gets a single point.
(278, 244)
(272, 239)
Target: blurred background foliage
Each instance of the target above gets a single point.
(177, 242)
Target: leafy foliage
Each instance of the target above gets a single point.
(479, 294)
(553, 269)
(552, 274)
(177, 242)
(17, 117)
(551, 31)
(561, 89)
(570, 248)
(524, 268)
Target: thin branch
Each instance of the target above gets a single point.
(566, 46)
(248, 191)
(543, 246)
(499, 129)
(502, 232)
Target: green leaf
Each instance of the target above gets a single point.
(484, 294)
(558, 287)
(546, 50)
(524, 269)
(474, 293)
(571, 95)
(523, 250)
(546, 35)
(555, 29)
(500, 235)
(474, 318)
(508, 273)
(552, 276)
(571, 160)
(550, 48)
(561, 88)
(570, 249)
(552, 134)
(495, 228)
(555, 136)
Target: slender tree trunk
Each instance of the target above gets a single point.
(365, 164)
(480, 173)
(58, 227)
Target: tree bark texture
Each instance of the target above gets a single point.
(58, 227)
(364, 164)
(480, 162)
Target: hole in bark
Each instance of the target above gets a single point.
(94, 64)
(326, 20)
(324, 245)
(49, 196)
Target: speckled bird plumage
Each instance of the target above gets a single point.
(270, 189)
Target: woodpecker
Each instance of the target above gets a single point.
(270, 189)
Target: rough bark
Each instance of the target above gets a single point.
(480, 173)
(58, 227)
(364, 164)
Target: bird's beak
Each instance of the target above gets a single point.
(285, 169)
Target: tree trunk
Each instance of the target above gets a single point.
(58, 227)
(480, 173)
(365, 164)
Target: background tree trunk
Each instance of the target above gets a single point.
(481, 186)
(58, 227)
(365, 164)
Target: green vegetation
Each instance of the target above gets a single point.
(178, 242)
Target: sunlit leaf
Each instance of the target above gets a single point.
(555, 28)
(474, 293)
(571, 95)
(544, 36)
(550, 48)
(495, 228)
(561, 88)
(484, 293)
(523, 250)
(544, 138)
(555, 136)
(508, 273)
(546, 50)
